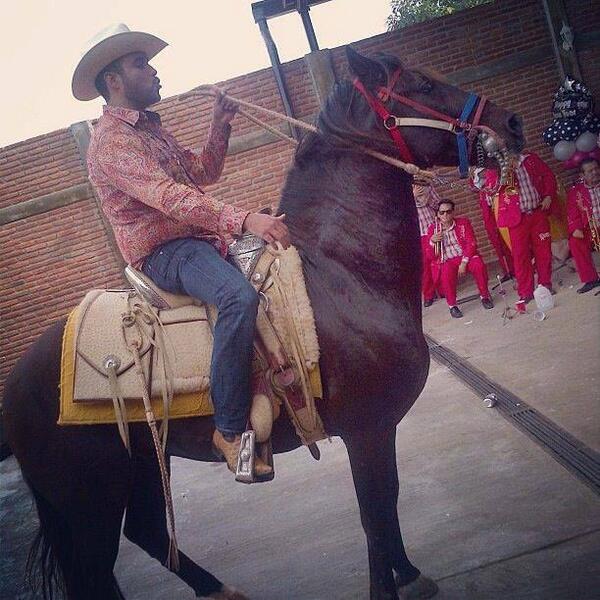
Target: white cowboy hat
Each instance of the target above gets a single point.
(108, 45)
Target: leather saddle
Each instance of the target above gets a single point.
(283, 373)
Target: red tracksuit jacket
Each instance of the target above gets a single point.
(578, 199)
(542, 178)
(464, 234)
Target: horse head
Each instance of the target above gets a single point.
(386, 101)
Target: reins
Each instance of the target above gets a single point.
(466, 132)
(213, 90)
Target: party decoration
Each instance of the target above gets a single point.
(573, 133)
(586, 142)
(570, 164)
(564, 150)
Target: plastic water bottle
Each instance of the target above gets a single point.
(543, 298)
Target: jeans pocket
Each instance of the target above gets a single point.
(163, 268)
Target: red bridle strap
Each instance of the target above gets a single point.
(477, 117)
(385, 115)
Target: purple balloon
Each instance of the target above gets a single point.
(579, 156)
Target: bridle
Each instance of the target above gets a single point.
(466, 133)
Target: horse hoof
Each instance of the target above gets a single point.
(419, 589)
(227, 593)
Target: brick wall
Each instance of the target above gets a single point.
(50, 260)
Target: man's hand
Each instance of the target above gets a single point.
(437, 237)
(578, 234)
(223, 110)
(546, 203)
(462, 269)
(271, 229)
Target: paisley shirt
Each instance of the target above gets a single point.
(149, 186)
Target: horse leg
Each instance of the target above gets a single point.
(373, 462)
(83, 543)
(146, 526)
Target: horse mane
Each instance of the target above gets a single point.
(335, 119)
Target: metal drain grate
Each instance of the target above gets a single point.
(579, 459)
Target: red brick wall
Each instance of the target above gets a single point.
(49, 261)
(38, 166)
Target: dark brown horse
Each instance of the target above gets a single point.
(353, 219)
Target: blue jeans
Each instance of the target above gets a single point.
(193, 267)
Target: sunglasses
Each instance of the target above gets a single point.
(445, 212)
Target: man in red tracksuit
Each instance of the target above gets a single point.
(583, 213)
(486, 205)
(426, 201)
(452, 248)
(524, 203)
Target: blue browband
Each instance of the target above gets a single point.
(461, 140)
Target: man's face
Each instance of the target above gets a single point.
(141, 86)
(591, 173)
(446, 213)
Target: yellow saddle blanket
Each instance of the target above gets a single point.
(94, 334)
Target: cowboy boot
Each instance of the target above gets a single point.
(228, 446)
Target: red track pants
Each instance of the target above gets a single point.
(581, 250)
(531, 236)
(427, 284)
(502, 250)
(449, 275)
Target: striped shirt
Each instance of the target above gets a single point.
(450, 245)
(529, 197)
(595, 197)
(427, 201)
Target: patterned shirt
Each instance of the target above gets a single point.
(450, 243)
(427, 201)
(149, 186)
(529, 197)
(595, 197)
(451, 247)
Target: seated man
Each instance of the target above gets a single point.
(452, 248)
(583, 213)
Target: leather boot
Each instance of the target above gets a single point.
(230, 450)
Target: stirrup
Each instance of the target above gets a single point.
(249, 450)
(244, 471)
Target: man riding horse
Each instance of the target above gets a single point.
(164, 224)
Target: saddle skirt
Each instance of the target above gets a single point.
(174, 347)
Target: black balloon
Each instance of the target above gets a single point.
(572, 111)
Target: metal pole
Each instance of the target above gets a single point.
(303, 9)
(566, 60)
(276, 63)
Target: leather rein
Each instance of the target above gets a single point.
(465, 132)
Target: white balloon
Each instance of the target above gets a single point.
(564, 150)
(586, 142)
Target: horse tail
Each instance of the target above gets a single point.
(50, 551)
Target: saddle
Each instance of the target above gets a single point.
(149, 345)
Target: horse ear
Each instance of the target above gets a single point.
(370, 72)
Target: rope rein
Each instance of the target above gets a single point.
(213, 90)
(133, 336)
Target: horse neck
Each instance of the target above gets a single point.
(354, 216)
